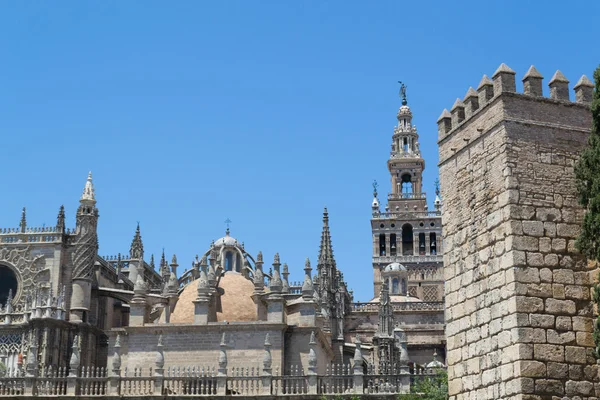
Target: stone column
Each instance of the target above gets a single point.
(266, 376)
(357, 369)
(159, 371)
(312, 365)
(73, 368)
(114, 380)
(222, 371)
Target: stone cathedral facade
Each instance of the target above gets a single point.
(67, 311)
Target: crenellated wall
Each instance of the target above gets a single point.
(518, 315)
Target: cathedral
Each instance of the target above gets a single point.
(66, 307)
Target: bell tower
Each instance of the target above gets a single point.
(406, 164)
(406, 235)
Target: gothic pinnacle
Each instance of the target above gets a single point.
(137, 247)
(88, 191)
(60, 220)
(23, 224)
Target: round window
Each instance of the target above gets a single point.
(8, 282)
(381, 226)
(393, 225)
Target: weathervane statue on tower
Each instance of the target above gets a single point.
(403, 93)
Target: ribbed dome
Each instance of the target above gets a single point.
(236, 303)
(226, 241)
(394, 267)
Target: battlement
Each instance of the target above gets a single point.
(503, 82)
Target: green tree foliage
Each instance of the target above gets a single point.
(429, 387)
(587, 173)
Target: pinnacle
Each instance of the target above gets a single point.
(532, 72)
(485, 81)
(445, 114)
(88, 191)
(471, 93)
(457, 104)
(503, 69)
(558, 77)
(584, 81)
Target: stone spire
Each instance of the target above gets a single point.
(386, 313)
(326, 266)
(173, 283)
(164, 267)
(85, 253)
(286, 283)
(275, 284)
(307, 286)
(60, 220)
(137, 247)
(23, 223)
(203, 286)
(259, 276)
(88, 191)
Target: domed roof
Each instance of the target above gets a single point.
(226, 241)
(236, 303)
(395, 266)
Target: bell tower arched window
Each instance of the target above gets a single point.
(407, 240)
(393, 244)
(421, 243)
(433, 243)
(382, 244)
(407, 186)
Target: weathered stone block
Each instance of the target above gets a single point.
(555, 337)
(575, 355)
(531, 368)
(560, 307)
(551, 386)
(563, 323)
(558, 370)
(541, 320)
(548, 352)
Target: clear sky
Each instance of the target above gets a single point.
(264, 112)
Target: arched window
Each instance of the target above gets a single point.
(405, 144)
(407, 240)
(393, 244)
(228, 261)
(403, 287)
(421, 243)
(395, 286)
(407, 186)
(433, 243)
(382, 244)
(238, 263)
(8, 283)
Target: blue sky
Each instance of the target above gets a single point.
(191, 112)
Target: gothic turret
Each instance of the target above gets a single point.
(85, 252)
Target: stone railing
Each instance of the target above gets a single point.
(192, 382)
(433, 258)
(185, 382)
(400, 196)
(408, 306)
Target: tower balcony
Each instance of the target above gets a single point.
(402, 196)
(409, 259)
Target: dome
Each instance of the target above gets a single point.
(226, 241)
(235, 305)
(394, 267)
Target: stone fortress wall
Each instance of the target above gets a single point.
(518, 309)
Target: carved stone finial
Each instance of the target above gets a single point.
(88, 191)
(23, 223)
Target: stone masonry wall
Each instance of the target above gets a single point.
(519, 315)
